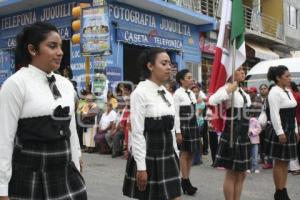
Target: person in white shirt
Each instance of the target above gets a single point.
(236, 159)
(152, 170)
(187, 126)
(39, 146)
(283, 136)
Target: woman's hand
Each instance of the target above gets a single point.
(4, 198)
(231, 87)
(141, 179)
(282, 139)
(178, 138)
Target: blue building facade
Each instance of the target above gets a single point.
(132, 30)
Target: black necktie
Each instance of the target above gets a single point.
(287, 94)
(189, 94)
(162, 94)
(243, 95)
(53, 87)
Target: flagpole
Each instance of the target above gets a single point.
(232, 95)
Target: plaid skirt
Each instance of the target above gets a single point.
(275, 150)
(161, 161)
(189, 129)
(237, 158)
(44, 171)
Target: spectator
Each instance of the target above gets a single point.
(106, 126)
(88, 115)
(254, 131)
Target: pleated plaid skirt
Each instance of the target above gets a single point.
(189, 129)
(161, 161)
(274, 149)
(237, 158)
(44, 171)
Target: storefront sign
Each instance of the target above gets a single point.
(95, 37)
(130, 15)
(148, 40)
(78, 67)
(45, 14)
(114, 74)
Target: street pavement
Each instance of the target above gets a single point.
(104, 178)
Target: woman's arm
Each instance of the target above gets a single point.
(11, 102)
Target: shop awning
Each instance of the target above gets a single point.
(261, 52)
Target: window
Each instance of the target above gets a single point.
(292, 16)
(195, 69)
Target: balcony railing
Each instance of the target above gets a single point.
(206, 7)
(263, 24)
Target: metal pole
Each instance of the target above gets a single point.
(232, 95)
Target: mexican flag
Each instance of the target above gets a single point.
(232, 13)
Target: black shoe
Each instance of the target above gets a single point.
(285, 194)
(189, 182)
(187, 187)
(278, 195)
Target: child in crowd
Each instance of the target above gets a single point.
(254, 131)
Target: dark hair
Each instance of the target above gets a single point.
(263, 85)
(275, 72)
(148, 55)
(34, 35)
(181, 74)
(128, 87)
(294, 87)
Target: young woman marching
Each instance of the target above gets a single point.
(152, 171)
(235, 160)
(283, 136)
(39, 143)
(186, 125)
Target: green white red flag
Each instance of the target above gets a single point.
(232, 16)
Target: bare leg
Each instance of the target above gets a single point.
(238, 187)
(189, 162)
(184, 164)
(177, 198)
(280, 172)
(229, 183)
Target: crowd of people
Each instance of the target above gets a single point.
(161, 128)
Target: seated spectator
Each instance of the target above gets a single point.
(88, 115)
(106, 125)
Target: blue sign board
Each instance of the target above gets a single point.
(59, 14)
(148, 40)
(6, 65)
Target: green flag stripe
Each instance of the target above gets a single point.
(237, 23)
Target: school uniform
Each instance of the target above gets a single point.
(282, 120)
(237, 158)
(39, 156)
(152, 120)
(186, 120)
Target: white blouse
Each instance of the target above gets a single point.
(27, 94)
(278, 99)
(181, 98)
(145, 101)
(222, 95)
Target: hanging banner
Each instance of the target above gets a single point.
(148, 40)
(95, 34)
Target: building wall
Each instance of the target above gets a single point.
(273, 9)
(292, 35)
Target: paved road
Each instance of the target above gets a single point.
(104, 177)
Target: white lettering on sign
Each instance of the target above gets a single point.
(132, 16)
(175, 27)
(135, 38)
(18, 20)
(168, 42)
(27, 18)
(11, 42)
(58, 11)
